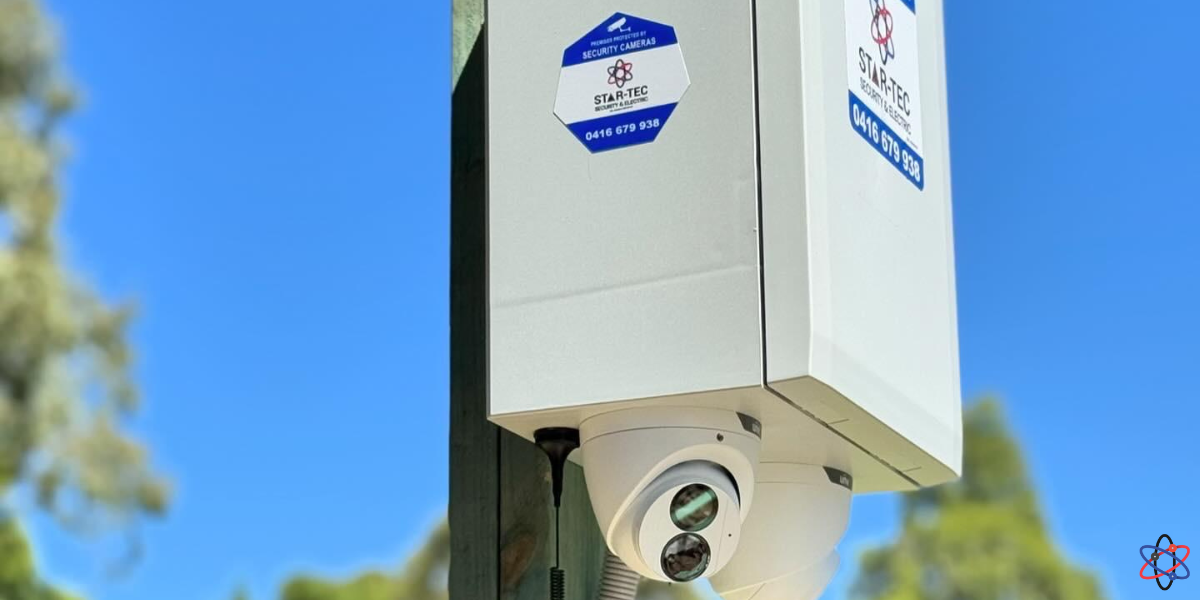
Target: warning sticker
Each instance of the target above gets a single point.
(885, 81)
(620, 83)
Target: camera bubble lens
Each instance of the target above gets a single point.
(685, 557)
(694, 507)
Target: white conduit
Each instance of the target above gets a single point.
(618, 582)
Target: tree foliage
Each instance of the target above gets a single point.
(423, 578)
(981, 538)
(65, 386)
(18, 579)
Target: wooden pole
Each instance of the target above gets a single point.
(474, 443)
(501, 512)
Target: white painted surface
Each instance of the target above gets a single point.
(631, 277)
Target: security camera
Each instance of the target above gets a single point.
(671, 486)
(647, 284)
(804, 584)
(787, 550)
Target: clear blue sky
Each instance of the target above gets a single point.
(269, 179)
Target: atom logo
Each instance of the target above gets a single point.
(881, 29)
(1156, 553)
(620, 73)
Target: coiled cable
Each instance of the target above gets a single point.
(618, 582)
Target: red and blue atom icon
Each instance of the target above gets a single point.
(620, 73)
(881, 29)
(1178, 569)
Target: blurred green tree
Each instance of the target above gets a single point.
(424, 578)
(65, 386)
(981, 538)
(18, 581)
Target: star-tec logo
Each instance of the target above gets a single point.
(881, 29)
(620, 73)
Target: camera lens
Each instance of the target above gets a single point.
(685, 557)
(694, 507)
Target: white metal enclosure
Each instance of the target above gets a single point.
(768, 252)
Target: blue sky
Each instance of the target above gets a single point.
(269, 180)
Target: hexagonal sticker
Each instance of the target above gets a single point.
(620, 83)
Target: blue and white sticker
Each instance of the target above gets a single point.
(884, 73)
(620, 83)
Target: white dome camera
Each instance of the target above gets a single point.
(671, 486)
(787, 551)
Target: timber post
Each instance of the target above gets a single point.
(501, 512)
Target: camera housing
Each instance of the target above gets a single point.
(757, 257)
(671, 486)
(804, 584)
(787, 550)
